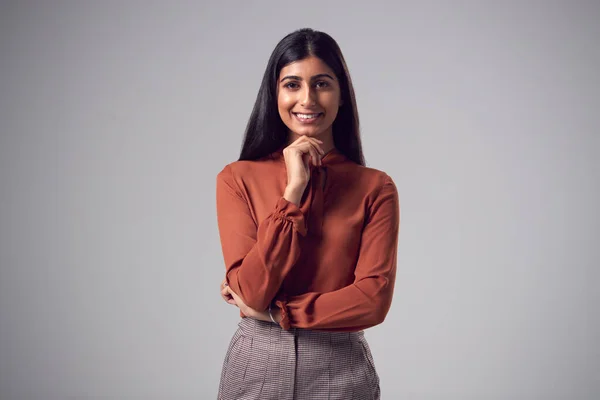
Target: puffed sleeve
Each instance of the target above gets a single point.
(366, 301)
(257, 257)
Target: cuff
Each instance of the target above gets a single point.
(285, 319)
(289, 211)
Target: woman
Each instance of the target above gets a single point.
(309, 235)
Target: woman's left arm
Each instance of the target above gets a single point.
(367, 300)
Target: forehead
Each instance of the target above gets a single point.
(306, 68)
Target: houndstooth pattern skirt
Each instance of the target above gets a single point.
(266, 362)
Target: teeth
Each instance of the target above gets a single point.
(307, 116)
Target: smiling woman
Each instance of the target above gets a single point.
(309, 235)
(308, 99)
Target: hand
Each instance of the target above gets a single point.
(297, 156)
(250, 312)
(225, 293)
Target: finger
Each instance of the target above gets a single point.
(233, 294)
(306, 159)
(313, 154)
(226, 298)
(225, 293)
(309, 148)
(317, 150)
(240, 304)
(321, 153)
(230, 300)
(309, 138)
(314, 141)
(299, 140)
(318, 144)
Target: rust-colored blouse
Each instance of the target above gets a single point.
(330, 263)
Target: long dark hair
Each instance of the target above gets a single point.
(266, 132)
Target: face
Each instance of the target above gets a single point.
(308, 97)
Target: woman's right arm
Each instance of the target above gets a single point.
(257, 258)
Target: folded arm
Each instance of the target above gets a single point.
(257, 257)
(366, 301)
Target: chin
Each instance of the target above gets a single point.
(308, 132)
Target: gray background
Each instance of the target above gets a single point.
(115, 119)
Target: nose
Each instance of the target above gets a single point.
(308, 96)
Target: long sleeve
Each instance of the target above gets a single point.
(366, 301)
(257, 257)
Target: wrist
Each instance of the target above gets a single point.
(274, 314)
(277, 315)
(293, 193)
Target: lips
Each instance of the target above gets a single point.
(313, 113)
(314, 117)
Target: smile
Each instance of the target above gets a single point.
(307, 118)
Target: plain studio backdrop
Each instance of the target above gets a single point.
(116, 116)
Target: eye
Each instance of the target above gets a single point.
(287, 85)
(324, 84)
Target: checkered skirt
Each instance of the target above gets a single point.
(266, 362)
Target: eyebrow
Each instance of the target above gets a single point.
(312, 79)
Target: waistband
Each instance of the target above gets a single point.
(257, 328)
